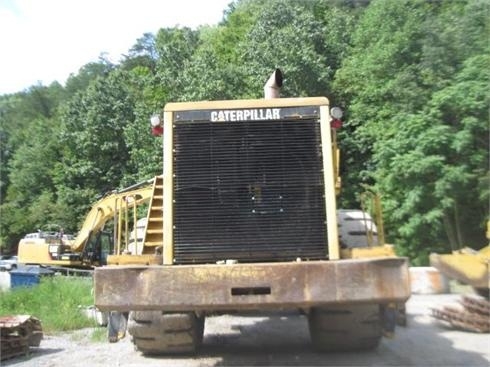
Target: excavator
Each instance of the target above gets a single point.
(470, 267)
(93, 244)
(89, 249)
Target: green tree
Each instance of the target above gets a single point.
(142, 54)
(29, 150)
(414, 142)
(412, 76)
(95, 155)
(30, 195)
(145, 150)
(78, 82)
(175, 47)
(287, 35)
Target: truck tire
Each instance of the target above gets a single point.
(354, 225)
(157, 332)
(345, 328)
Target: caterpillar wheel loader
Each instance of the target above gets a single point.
(244, 218)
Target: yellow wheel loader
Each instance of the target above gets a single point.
(245, 218)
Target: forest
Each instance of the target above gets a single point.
(413, 77)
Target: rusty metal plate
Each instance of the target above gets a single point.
(251, 286)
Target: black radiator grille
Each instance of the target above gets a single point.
(249, 191)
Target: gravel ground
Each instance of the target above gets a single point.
(277, 341)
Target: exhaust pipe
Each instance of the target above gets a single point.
(273, 85)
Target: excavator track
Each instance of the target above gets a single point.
(18, 334)
(473, 315)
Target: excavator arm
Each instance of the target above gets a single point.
(109, 207)
(81, 252)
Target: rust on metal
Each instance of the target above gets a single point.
(251, 286)
(476, 305)
(17, 334)
(472, 316)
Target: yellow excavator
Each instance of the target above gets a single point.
(92, 245)
(469, 267)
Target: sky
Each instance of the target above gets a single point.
(42, 41)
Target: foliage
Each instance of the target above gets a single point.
(418, 110)
(29, 153)
(412, 76)
(55, 301)
(95, 155)
(304, 59)
(87, 73)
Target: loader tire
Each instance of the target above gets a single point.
(157, 332)
(345, 328)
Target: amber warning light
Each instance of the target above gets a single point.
(156, 125)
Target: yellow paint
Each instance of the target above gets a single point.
(466, 265)
(112, 206)
(134, 260)
(153, 234)
(36, 251)
(330, 184)
(484, 253)
(245, 103)
(368, 252)
(105, 209)
(168, 189)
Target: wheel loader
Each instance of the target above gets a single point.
(245, 218)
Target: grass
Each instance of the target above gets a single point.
(99, 335)
(55, 301)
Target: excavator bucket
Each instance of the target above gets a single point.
(469, 267)
(466, 265)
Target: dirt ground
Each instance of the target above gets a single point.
(279, 341)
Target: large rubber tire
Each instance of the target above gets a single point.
(157, 332)
(353, 228)
(348, 328)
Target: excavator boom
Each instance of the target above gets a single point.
(107, 208)
(58, 250)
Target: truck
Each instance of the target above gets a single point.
(245, 219)
(119, 209)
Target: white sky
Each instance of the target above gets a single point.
(46, 40)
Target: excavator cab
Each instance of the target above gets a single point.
(99, 246)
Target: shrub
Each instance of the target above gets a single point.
(55, 301)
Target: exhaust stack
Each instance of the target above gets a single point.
(273, 85)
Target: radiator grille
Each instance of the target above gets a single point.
(250, 191)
